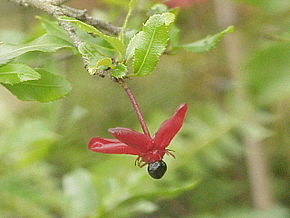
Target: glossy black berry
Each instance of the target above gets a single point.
(157, 169)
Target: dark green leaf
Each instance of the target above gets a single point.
(207, 43)
(45, 43)
(16, 73)
(49, 88)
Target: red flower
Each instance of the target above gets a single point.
(149, 150)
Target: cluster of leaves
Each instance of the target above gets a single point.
(143, 50)
(106, 54)
(30, 84)
(34, 165)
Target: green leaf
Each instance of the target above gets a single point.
(91, 53)
(16, 73)
(207, 43)
(147, 45)
(119, 71)
(81, 194)
(52, 28)
(104, 63)
(101, 64)
(130, 8)
(115, 42)
(49, 88)
(98, 44)
(97, 61)
(45, 43)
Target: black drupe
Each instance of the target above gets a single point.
(157, 169)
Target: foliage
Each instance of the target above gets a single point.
(208, 43)
(147, 45)
(16, 73)
(45, 168)
(144, 48)
(45, 43)
(48, 88)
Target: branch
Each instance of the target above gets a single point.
(84, 17)
(50, 6)
(56, 9)
(58, 2)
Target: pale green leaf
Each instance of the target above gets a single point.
(119, 71)
(97, 61)
(49, 88)
(52, 28)
(101, 64)
(147, 45)
(16, 73)
(104, 63)
(115, 42)
(168, 18)
(207, 43)
(81, 194)
(45, 43)
(91, 53)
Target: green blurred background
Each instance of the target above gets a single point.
(232, 153)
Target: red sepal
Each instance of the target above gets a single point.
(170, 127)
(110, 146)
(132, 138)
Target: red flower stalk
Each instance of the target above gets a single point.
(150, 150)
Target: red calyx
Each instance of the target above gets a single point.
(148, 149)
